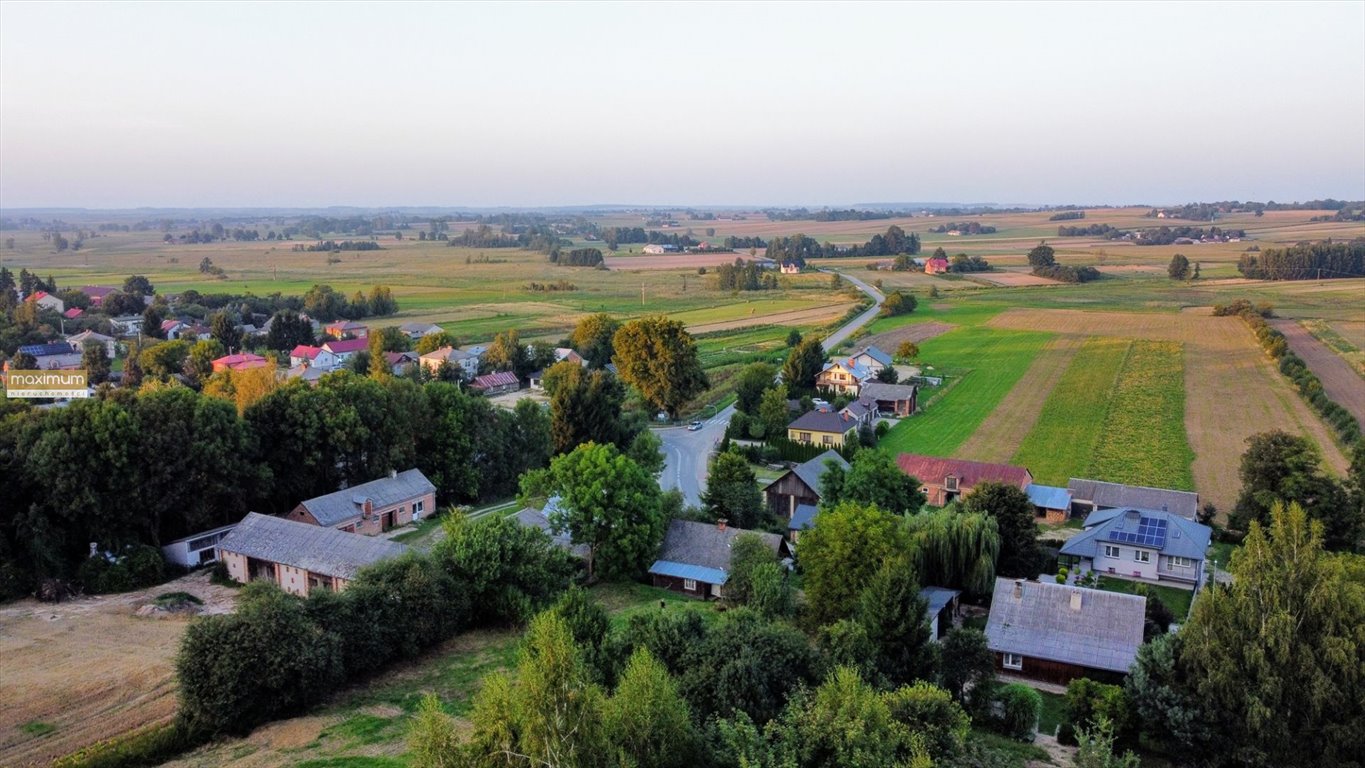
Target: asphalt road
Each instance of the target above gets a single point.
(687, 454)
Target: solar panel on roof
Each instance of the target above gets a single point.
(1151, 532)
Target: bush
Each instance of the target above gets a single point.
(1019, 705)
(147, 746)
(1088, 700)
(141, 566)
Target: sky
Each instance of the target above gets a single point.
(120, 105)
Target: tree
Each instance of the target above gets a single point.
(773, 412)
(898, 303)
(152, 318)
(894, 616)
(164, 360)
(1042, 256)
(585, 406)
(379, 365)
(1165, 705)
(434, 341)
(840, 556)
(1096, 749)
(432, 739)
(23, 361)
(647, 719)
(793, 338)
(752, 381)
(803, 364)
(732, 491)
(658, 357)
(1179, 268)
(747, 552)
(887, 375)
(507, 353)
(224, 329)
(746, 664)
(956, 549)
(968, 668)
(1020, 555)
(592, 338)
(647, 450)
(609, 503)
(1276, 653)
(872, 478)
(137, 285)
(908, 350)
(243, 388)
(95, 361)
(1280, 467)
(288, 330)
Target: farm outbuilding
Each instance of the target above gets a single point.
(199, 549)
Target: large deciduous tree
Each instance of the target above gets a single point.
(585, 406)
(1042, 255)
(840, 556)
(803, 364)
(611, 504)
(658, 357)
(592, 338)
(732, 491)
(872, 478)
(1280, 467)
(1020, 555)
(752, 381)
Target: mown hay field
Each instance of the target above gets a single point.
(1143, 441)
(1000, 434)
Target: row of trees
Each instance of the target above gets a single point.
(964, 227)
(1043, 259)
(799, 248)
(744, 276)
(579, 257)
(1305, 262)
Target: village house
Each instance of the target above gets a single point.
(1051, 504)
(945, 480)
(1056, 633)
(862, 412)
(935, 266)
(306, 374)
(496, 383)
(695, 557)
(870, 358)
(299, 558)
(373, 507)
(346, 329)
(843, 377)
(242, 361)
(530, 517)
(97, 292)
(346, 349)
(128, 325)
(199, 549)
(79, 340)
(1141, 545)
(896, 400)
(800, 485)
(823, 427)
(308, 356)
(790, 268)
(47, 301)
(466, 362)
(564, 353)
(1090, 495)
(57, 356)
(416, 331)
(399, 361)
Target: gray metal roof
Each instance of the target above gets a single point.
(1048, 497)
(938, 598)
(1109, 495)
(875, 354)
(338, 507)
(824, 421)
(313, 548)
(876, 390)
(534, 518)
(811, 471)
(1103, 632)
(705, 544)
(1183, 538)
(803, 517)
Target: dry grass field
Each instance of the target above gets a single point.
(1339, 381)
(1003, 431)
(1232, 389)
(673, 260)
(75, 673)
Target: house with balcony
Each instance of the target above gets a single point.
(1141, 545)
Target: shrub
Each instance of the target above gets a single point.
(1019, 705)
(1088, 700)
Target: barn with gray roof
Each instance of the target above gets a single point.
(695, 557)
(800, 485)
(299, 557)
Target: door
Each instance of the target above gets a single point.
(388, 520)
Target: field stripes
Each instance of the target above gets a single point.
(1060, 445)
(1143, 439)
(995, 361)
(1000, 435)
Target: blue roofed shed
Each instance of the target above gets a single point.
(695, 557)
(942, 605)
(1050, 502)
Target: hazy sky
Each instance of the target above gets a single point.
(242, 104)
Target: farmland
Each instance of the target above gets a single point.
(999, 435)
(1143, 438)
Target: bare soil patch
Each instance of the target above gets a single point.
(1339, 381)
(1000, 435)
(90, 667)
(1119, 269)
(1232, 389)
(673, 260)
(1013, 279)
(887, 341)
(815, 315)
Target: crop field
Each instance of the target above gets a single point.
(1000, 434)
(1143, 438)
(1339, 380)
(673, 260)
(994, 362)
(1072, 418)
(1343, 338)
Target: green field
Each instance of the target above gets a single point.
(1143, 440)
(996, 360)
(1059, 446)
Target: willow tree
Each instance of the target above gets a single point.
(955, 549)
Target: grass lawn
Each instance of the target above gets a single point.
(996, 358)
(1222, 552)
(1061, 443)
(975, 622)
(1019, 754)
(1052, 714)
(1143, 441)
(1175, 598)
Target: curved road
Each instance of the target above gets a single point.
(686, 453)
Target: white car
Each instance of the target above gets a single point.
(694, 426)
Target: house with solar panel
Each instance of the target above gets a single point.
(1141, 544)
(695, 557)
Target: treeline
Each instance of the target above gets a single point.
(1043, 259)
(744, 276)
(541, 238)
(1067, 216)
(847, 214)
(333, 245)
(1168, 235)
(742, 243)
(187, 461)
(1207, 211)
(1305, 262)
(616, 236)
(799, 248)
(325, 304)
(965, 227)
(579, 257)
(1106, 231)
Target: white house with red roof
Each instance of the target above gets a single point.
(346, 349)
(243, 361)
(313, 357)
(47, 301)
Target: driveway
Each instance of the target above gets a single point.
(687, 454)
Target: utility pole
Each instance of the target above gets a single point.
(642, 293)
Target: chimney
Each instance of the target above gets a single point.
(1075, 600)
(1019, 589)
(393, 473)
(369, 507)
(720, 524)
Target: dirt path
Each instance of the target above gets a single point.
(89, 668)
(1338, 380)
(1232, 390)
(1000, 435)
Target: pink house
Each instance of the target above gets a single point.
(935, 266)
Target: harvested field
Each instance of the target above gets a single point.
(90, 668)
(887, 341)
(673, 260)
(1012, 278)
(1232, 389)
(1352, 331)
(801, 317)
(1339, 381)
(1000, 435)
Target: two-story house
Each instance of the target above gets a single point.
(372, 507)
(823, 427)
(1141, 544)
(946, 480)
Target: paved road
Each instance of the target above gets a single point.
(686, 454)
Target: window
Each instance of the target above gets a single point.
(826, 439)
(690, 585)
(1014, 661)
(1179, 562)
(950, 483)
(804, 437)
(1111, 551)
(1142, 556)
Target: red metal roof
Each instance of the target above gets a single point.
(303, 350)
(931, 470)
(348, 345)
(498, 379)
